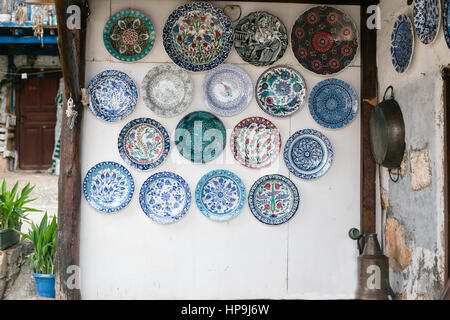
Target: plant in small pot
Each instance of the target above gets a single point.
(42, 260)
(13, 212)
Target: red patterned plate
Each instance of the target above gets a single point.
(324, 40)
(255, 142)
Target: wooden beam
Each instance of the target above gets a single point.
(368, 100)
(71, 44)
(446, 78)
(319, 2)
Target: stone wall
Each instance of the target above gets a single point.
(11, 262)
(412, 215)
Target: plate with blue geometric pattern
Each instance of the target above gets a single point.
(308, 154)
(333, 103)
(220, 195)
(112, 95)
(108, 186)
(227, 89)
(402, 43)
(165, 197)
(427, 19)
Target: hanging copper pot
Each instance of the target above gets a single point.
(387, 132)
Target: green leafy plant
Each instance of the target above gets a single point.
(42, 236)
(12, 205)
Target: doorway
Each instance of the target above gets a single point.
(36, 119)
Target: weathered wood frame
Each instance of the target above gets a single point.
(72, 44)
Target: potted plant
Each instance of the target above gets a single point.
(12, 213)
(42, 260)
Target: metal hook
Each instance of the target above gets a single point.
(392, 179)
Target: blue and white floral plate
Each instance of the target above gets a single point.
(308, 154)
(112, 95)
(198, 36)
(333, 103)
(427, 19)
(273, 199)
(227, 89)
(143, 143)
(446, 21)
(167, 90)
(220, 195)
(165, 197)
(402, 43)
(108, 186)
(280, 91)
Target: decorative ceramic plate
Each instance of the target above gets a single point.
(333, 103)
(112, 95)
(167, 90)
(427, 19)
(108, 186)
(324, 40)
(227, 89)
(129, 35)
(260, 38)
(280, 91)
(447, 22)
(198, 36)
(220, 195)
(402, 43)
(255, 142)
(308, 154)
(165, 197)
(273, 199)
(143, 143)
(200, 136)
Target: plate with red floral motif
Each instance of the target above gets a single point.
(198, 36)
(255, 142)
(273, 199)
(324, 40)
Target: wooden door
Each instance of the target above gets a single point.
(36, 120)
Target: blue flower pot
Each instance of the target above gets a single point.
(45, 285)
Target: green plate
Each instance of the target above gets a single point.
(200, 136)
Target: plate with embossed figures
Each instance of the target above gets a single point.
(108, 187)
(324, 40)
(198, 36)
(280, 91)
(167, 90)
(220, 195)
(227, 89)
(128, 35)
(143, 143)
(255, 142)
(260, 38)
(427, 19)
(308, 154)
(165, 197)
(273, 199)
(333, 103)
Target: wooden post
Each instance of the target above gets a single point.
(368, 101)
(71, 44)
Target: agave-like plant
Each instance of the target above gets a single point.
(42, 260)
(12, 205)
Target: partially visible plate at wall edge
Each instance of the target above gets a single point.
(427, 19)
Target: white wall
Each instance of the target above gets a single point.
(129, 256)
